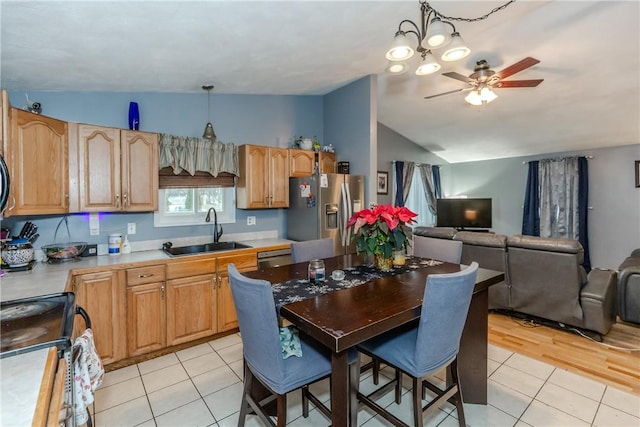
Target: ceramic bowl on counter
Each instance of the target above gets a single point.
(17, 254)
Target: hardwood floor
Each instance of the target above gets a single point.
(618, 368)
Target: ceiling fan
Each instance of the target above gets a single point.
(483, 80)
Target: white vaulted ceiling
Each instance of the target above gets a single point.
(589, 53)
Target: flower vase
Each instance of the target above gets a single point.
(383, 263)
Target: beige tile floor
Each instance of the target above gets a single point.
(202, 386)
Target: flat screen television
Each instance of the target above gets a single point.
(464, 213)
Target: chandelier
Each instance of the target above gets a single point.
(208, 128)
(435, 31)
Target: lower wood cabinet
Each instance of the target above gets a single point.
(227, 318)
(102, 295)
(191, 308)
(138, 310)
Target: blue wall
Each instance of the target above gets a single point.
(254, 119)
(350, 125)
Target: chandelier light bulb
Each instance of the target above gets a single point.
(428, 64)
(487, 95)
(457, 49)
(396, 67)
(400, 50)
(437, 35)
(473, 98)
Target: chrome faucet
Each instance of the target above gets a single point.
(216, 233)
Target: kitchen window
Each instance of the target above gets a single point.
(189, 206)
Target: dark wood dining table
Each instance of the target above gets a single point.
(342, 319)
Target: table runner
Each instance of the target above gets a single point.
(300, 289)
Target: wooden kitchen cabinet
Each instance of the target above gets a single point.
(37, 158)
(117, 169)
(227, 318)
(146, 310)
(4, 120)
(102, 295)
(301, 163)
(264, 177)
(191, 300)
(327, 162)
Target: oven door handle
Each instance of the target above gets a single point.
(87, 320)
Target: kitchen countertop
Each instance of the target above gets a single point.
(22, 374)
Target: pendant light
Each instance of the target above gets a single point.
(208, 129)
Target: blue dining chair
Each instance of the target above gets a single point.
(312, 249)
(432, 345)
(256, 310)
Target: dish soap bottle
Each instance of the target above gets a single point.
(126, 247)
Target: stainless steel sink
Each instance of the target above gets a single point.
(204, 248)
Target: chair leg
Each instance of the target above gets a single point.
(244, 404)
(376, 370)
(305, 401)
(282, 410)
(458, 396)
(417, 402)
(398, 386)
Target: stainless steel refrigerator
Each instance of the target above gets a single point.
(321, 205)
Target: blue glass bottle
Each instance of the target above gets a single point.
(134, 116)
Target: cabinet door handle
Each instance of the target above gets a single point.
(125, 200)
(162, 291)
(117, 201)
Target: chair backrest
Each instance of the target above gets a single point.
(440, 249)
(444, 312)
(312, 249)
(258, 322)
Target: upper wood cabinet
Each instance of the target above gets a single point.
(37, 158)
(4, 120)
(117, 169)
(264, 177)
(327, 162)
(301, 162)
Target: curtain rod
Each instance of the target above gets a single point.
(415, 163)
(559, 158)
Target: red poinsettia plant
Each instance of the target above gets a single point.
(381, 229)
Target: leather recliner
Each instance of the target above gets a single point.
(548, 281)
(489, 251)
(629, 288)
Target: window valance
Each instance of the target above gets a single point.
(183, 153)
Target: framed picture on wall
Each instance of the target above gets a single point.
(383, 182)
(637, 168)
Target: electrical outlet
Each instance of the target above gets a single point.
(131, 228)
(251, 220)
(94, 224)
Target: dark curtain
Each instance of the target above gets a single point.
(437, 187)
(583, 206)
(399, 184)
(531, 212)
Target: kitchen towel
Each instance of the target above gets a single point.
(88, 373)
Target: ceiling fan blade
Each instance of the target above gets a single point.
(517, 67)
(519, 83)
(444, 93)
(457, 76)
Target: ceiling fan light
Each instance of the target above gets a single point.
(428, 65)
(473, 98)
(437, 35)
(457, 49)
(400, 49)
(487, 95)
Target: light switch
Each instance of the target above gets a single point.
(131, 228)
(94, 224)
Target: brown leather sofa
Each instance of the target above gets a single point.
(544, 277)
(629, 288)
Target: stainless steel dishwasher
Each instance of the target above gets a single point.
(274, 258)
